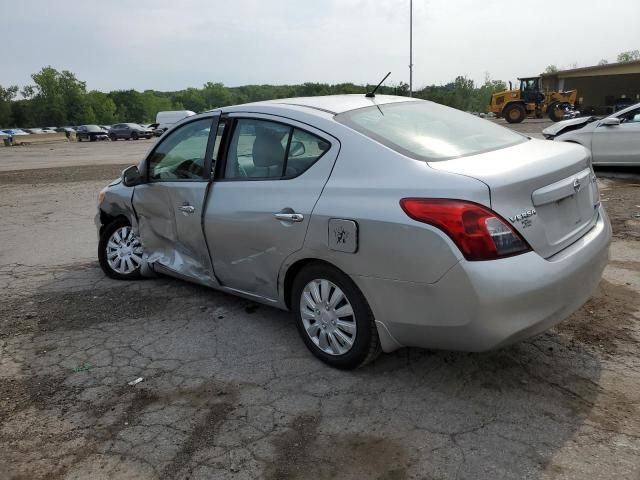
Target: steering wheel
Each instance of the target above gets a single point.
(190, 168)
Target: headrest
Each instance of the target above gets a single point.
(267, 150)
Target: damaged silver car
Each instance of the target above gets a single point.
(379, 221)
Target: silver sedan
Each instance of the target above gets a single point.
(378, 222)
(613, 140)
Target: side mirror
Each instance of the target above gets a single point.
(296, 149)
(610, 121)
(131, 176)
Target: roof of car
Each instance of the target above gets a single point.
(335, 104)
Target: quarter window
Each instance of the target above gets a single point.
(304, 151)
(181, 156)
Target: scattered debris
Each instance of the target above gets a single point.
(83, 368)
(135, 382)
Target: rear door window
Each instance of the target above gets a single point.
(261, 149)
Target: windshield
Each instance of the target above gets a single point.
(429, 131)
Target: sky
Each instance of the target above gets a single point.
(171, 44)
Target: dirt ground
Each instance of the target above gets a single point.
(228, 389)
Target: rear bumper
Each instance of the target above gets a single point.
(479, 306)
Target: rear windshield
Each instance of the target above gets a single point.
(429, 131)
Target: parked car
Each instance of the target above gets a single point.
(157, 131)
(14, 132)
(166, 120)
(91, 133)
(613, 140)
(129, 131)
(379, 222)
(34, 131)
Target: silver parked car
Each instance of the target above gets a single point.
(613, 140)
(379, 222)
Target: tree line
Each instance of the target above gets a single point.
(58, 98)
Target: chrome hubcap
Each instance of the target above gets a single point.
(328, 317)
(124, 251)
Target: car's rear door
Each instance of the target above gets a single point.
(618, 144)
(169, 205)
(259, 207)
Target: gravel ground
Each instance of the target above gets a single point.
(229, 390)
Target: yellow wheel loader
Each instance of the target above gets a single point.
(530, 99)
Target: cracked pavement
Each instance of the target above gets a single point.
(230, 391)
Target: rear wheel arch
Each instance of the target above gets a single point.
(293, 270)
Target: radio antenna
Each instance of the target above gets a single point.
(372, 93)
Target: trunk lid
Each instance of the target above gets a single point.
(545, 190)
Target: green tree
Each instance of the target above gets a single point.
(551, 69)
(102, 107)
(6, 97)
(129, 106)
(629, 56)
(216, 95)
(57, 98)
(604, 61)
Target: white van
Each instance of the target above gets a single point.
(167, 119)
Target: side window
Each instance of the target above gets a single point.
(634, 116)
(304, 151)
(257, 149)
(181, 156)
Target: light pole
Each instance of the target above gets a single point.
(411, 48)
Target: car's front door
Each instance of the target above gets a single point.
(118, 130)
(169, 205)
(618, 144)
(258, 210)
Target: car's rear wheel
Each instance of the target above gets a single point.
(333, 317)
(120, 251)
(134, 135)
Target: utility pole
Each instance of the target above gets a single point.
(411, 48)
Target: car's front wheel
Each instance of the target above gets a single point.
(333, 317)
(120, 251)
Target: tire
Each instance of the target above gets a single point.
(92, 138)
(131, 245)
(539, 114)
(134, 136)
(554, 112)
(113, 137)
(514, 113)
(365, 344)
(78, 138)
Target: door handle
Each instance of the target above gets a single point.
(289, 217)
(187, 209)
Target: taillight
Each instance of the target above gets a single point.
(479, 233)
